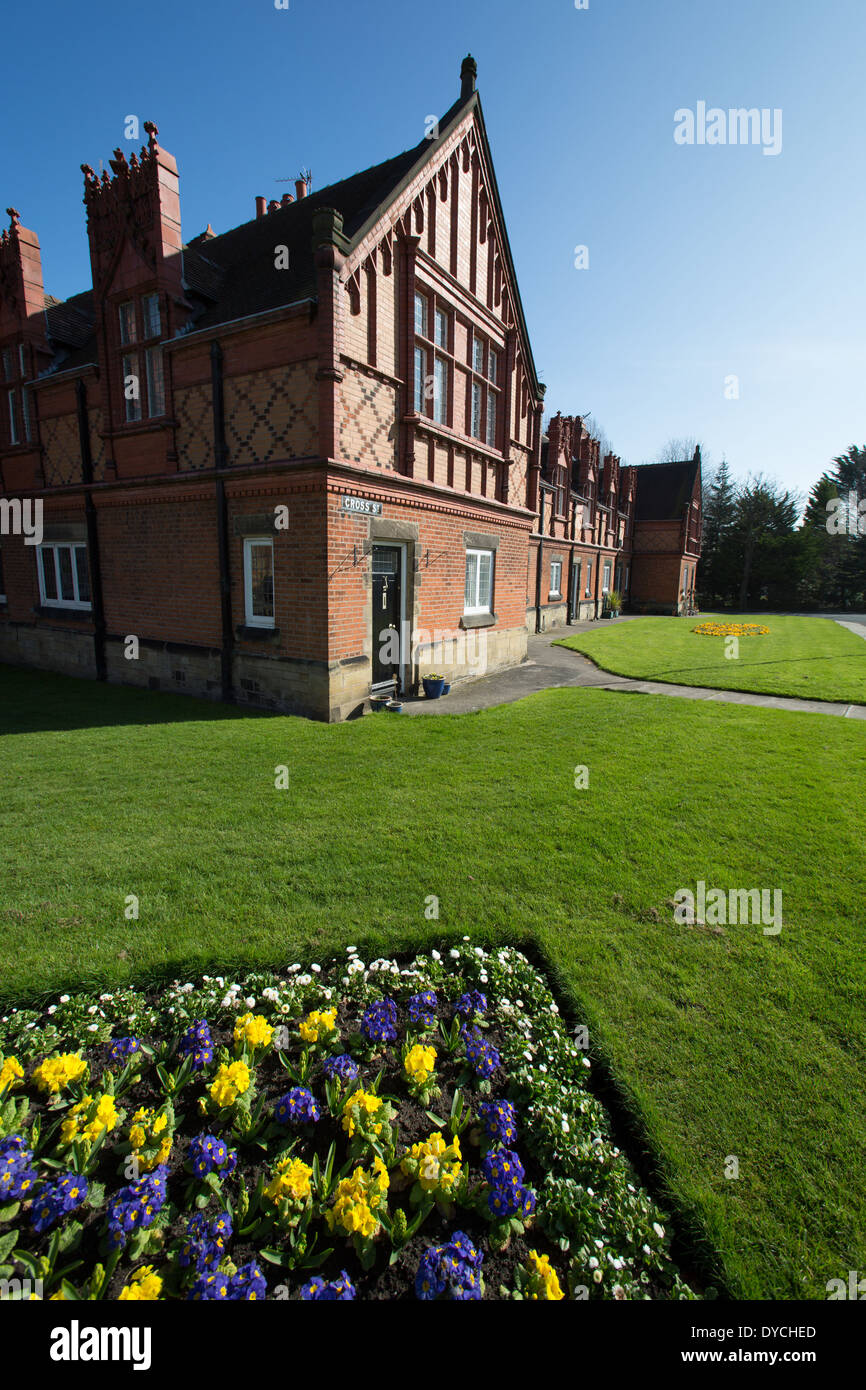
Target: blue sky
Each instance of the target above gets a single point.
(705, 262)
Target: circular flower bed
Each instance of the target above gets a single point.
(731, 630)
(420, 1129)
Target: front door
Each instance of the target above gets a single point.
(386, 614)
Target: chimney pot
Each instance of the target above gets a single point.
(260, 207)
(286, 199)
(273, 205)
(301, 188)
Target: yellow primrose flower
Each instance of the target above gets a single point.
(254, 1031)
(232, 1080)
(543, 1281)
(419, 1063)
(144, 1132)
(435, 1164)
(318, 1022)
(357, 1200)
(363, 1103)
(11, 1073)
(145, 1286)
(291, 1179)
(88, 1119)
(54, 1074)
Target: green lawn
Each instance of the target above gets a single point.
(721, 1043)
(813, 658)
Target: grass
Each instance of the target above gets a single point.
(720, 1043)
(810, 658)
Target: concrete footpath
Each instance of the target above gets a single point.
(548, 668)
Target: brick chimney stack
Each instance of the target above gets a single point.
(143, 198)
(22, 296)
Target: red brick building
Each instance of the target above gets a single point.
(298, 461)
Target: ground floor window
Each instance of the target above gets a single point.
(588, 590)
(606, 582)
(555, 579)
(64, 578)
(479, 581)
(259, 581)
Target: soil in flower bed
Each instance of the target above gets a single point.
(600, 1233)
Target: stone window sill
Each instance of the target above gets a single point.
(478, 620)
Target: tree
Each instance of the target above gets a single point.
(680, 450)
(769, 564)
(719, 499)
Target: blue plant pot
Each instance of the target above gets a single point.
(432, 689)
(394, 708)
(378, 703)
(446, 689)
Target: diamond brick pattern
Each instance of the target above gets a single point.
(194, 415)
(272, 414)
(367, 432)
(62, 452)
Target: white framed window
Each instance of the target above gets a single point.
(132, 387)
(555, 579)
(441, 329)
(479, 582)
(605, 583)
(151, 316)
(440, 391)
(64, 578)
(420, 379)
(421, 314)
(21, 366)
(259, 581)
(155, 381)
(13, 419)
(587, 593)
(126, 317)
(492, 366)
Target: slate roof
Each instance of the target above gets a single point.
(664, 490)
(233, 275)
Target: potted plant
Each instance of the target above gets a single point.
(378, 702)
(614, 603)
(433, 685)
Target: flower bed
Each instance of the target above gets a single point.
(731, 630)
(378, 1131)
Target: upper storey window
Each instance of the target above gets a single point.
(485, 392)
(17, 421)
(433, 358)
(142, 369)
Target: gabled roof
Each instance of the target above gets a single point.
(665, 490)
(234, 276)
(243, 277)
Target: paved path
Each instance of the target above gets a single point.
(549, 667)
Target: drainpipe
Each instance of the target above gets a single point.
(96, 598)
(222, 520)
